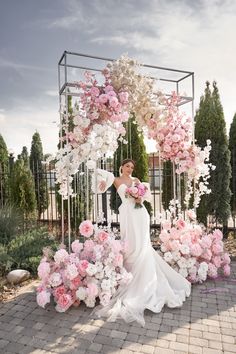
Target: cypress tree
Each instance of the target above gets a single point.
(40, 177)
(22, 187)
(25, 156)
(4, 173)
(136, 150)
(232, 147)
(210, 124)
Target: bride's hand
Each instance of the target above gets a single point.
(102, 186)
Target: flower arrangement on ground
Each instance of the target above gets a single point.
(190, 249)
(94, 269)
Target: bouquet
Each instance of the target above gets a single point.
(136, 192)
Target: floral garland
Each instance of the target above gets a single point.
(93, 270)
(192, 251)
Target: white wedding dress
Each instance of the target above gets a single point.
(154, 283)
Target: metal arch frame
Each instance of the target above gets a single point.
(63, 89)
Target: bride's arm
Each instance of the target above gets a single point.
(102, 180)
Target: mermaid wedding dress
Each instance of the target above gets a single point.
(154, 283)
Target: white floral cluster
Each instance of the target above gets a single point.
(143, 100)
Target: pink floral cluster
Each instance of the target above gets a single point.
(93, 269)
(137, 191)
(193, 252)
(174, 135)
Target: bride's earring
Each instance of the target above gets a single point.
(120, 170)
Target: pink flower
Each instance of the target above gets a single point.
(217, 234)
(43, 298)
(102, 236)
(212, 270)
(191, 214)
(103, 98)
(226, 270)
(207, 255)
(217, 261)
(94, 91)
(89, 245)
(217, 248)
(123, 96)
(180, 224)
(166, 225)
(57, 292)
(118, 260)
(116, 246)
(43, 270)
(75, 283)
(174, 245)
(86, 228)
(108, 88)
(92, 290)
(64, 302)
(55, 279)
(225, 259)
(196, 250)
(206, 241)
(76, 246)
(83, 265)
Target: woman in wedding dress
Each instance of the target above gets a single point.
(154, 283)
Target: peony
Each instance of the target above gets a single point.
(57, 292)
(196, 250)
(64, 301)
(75, 283)
(61, 256)
(43, 298)
(86, 228)
(76, 246)
(217, 248)
(216, 260)
(217, 234)
(43, 270)
(102, 236)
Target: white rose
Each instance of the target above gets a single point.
(81, 293)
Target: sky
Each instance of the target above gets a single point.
(197, 36)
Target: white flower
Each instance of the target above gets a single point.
(89, 302)
(55, 279)
(184, 249)
(71, 271)
(81, 293)
(91, 269)
(99, 275)
(176, 255)
(106, 285)
(182, 263)
(91, 164)
(168, 257)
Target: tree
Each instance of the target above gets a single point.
(210, 124)
(40, 177)
(25, 156)
(4, 170)
(136, 150)
(232, 147)
(22, 188)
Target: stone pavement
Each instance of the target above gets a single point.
(205, 324)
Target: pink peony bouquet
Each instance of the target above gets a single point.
(94, 269)
(137, 191)
(191, 250)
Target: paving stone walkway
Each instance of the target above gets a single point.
(205, 324)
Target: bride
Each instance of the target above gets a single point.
(154, 283)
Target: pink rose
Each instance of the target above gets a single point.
(180, 224)
(113, 101)
(61, 256)
(196, 250)
(86, 228)
(59, 291)
(64, 302)
(83, 265)
(43, 298)
(217, 234)
(94, 91)
(76, 246)
(103, 98)
(75, 283)
(108, 88)
(102, 236)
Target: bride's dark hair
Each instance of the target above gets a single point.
(125, 161)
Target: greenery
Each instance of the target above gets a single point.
(22, 188)
(136, 150)
(4, 169)
(10, 223)
(210, 124)
(40, 176)
(232, 147)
